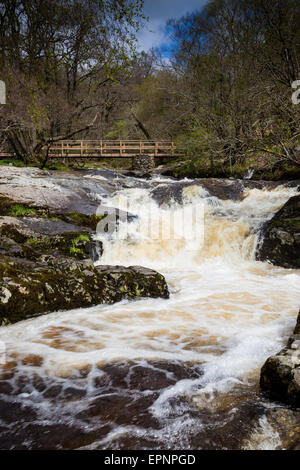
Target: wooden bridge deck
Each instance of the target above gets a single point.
(96, 149)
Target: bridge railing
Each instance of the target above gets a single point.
(110, 148)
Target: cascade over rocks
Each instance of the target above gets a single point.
(47, 248)
(86, 372)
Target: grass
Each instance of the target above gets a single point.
(36, 242)
(74, 248)
(57, 167)
(12, 162)
(17, 210)
(81, 238)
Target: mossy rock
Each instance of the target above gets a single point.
(83, 220)
(16, 241)
(11, 208)
(60, 283)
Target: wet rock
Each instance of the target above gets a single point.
(224, 189)
(194, 168)
(281, 236)
(47, 254)
(286, 423)
(33, 238)
(137, 174)
(61, 193)
(280, 375)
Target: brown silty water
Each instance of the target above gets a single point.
(154, 374)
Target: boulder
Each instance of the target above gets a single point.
(59, 283)
(32, 238)
(280, 375)
(280, 243)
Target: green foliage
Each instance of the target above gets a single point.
(33, 241)
(39, 242)
(193, 143)
(119, 131)
(17, 210)
(77, 251)
(81, 238)
(78, 243)
(66, 62)
(56, 167)
(12, 162)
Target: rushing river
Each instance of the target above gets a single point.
(156, 374)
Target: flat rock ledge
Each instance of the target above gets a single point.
(29, 289)
(280, 375)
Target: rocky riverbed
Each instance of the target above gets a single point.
(47, 250)
(183, 362)
(280, 245)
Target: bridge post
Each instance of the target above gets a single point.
(143, 162)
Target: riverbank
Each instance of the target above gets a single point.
(256, 169)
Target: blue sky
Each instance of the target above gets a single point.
(159, 11)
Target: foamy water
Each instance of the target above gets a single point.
(226, 314)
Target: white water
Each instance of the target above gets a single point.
(226, 313)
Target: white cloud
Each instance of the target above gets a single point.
(153, 35)
(159, 11)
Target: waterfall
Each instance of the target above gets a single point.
(178, 371)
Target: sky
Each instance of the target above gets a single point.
(159, 11)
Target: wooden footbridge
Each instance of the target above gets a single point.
(99, 149)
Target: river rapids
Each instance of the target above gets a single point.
(181, 373)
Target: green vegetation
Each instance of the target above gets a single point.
(57, 167)
(83, 219)
(38, 242)
(18, 210)
(78, 243)
(12, 162)
(225, 97)
(77, 251)
(81, 238)
(54, 94)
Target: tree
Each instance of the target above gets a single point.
(59, 59)
(231, 72)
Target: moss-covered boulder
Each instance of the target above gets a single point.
(280, 375)
(280, 243)
(60, 283)
(48, 265)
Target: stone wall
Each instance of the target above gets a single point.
(143, 162)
